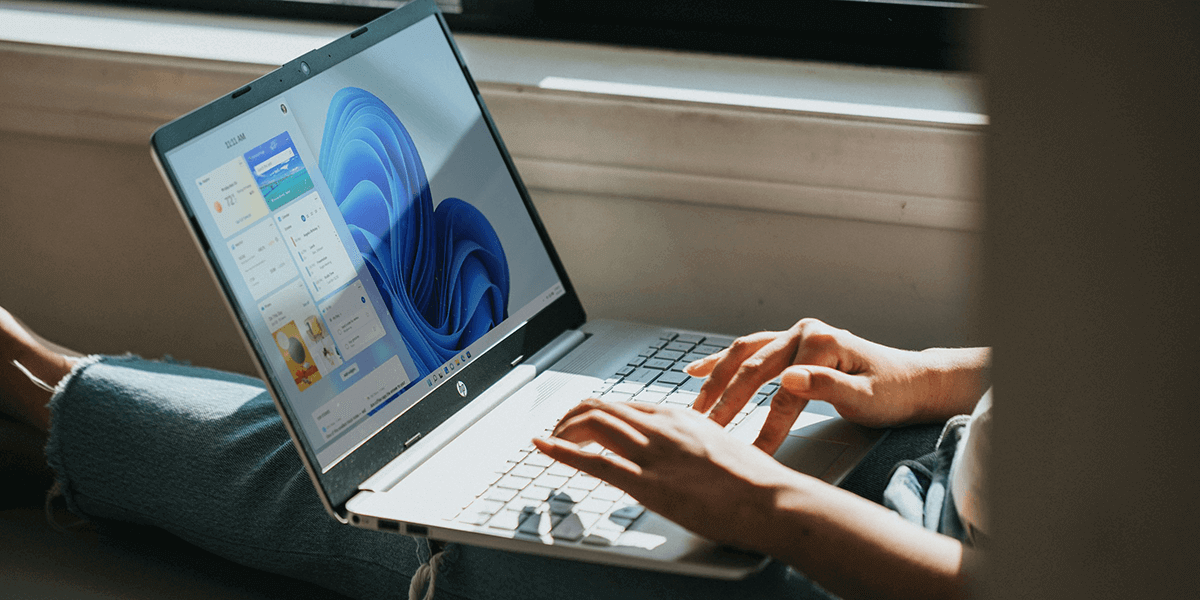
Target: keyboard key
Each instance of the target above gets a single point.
(538, 459)
(658, 363)
(604, 533)
(671, 378)
(570, 529)
(526, 471)
(668, 336)
(680, 398)
(689, 338)
(634, 362)
(562, 470)
(588, 519)
(629, 511)
(627, 387)
(692, 357)
(659, 388)
(507, 519)
(642, 375)
(717, 340)
(536, 493)
(616, 397)
(571, 495)
(561, 507)
(623, 371)
(607, 492)
(535, 524)
(649, 397)
(583, 482)
(550, 481)
(513, 482)
(668, 354)
(708, 349)
(488, 507)
(594, 505)
(692, 385)
(472, 517)
(500, 494)
(626, 516)
(679, 347)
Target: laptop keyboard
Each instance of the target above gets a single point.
(534, 495)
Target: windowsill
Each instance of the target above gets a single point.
(810, 87)
(862, 143)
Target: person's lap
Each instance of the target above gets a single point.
(203, 454)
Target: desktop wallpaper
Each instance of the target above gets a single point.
(441, 270)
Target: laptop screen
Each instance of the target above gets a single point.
(369, 231)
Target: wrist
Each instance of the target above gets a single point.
(957, 377)
(779, 513)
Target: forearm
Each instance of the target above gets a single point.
(957, 379)
(856, 548)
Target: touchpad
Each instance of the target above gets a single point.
(809, 456)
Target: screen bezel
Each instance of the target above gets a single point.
(340, 482)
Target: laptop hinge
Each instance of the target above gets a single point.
(417, 451)
(555, 350)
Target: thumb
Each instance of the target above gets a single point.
(824, 383)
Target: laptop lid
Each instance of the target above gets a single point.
(371, 237)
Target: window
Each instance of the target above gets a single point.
(923, 34)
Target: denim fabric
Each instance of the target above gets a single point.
(204, 455)
(919, 490)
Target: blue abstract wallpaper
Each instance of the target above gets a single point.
(441, 270)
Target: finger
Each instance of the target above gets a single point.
(703, 366)
(826, 346)
(764, 365)
(578, 409)
(785, 409)
(726, 366)
(823, 383)
(638, 415)
(614, 469)
(607, 430)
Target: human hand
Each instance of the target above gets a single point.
(676, 463)
(868, 383)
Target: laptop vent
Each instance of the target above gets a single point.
(548, 387)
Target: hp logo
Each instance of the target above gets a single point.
(462, 389)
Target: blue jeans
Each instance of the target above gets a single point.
(203, 455)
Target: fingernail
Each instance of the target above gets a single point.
(797, 378)
(692, 365)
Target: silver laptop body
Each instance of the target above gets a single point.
(403, 302)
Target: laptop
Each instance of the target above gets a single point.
(405, 306)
